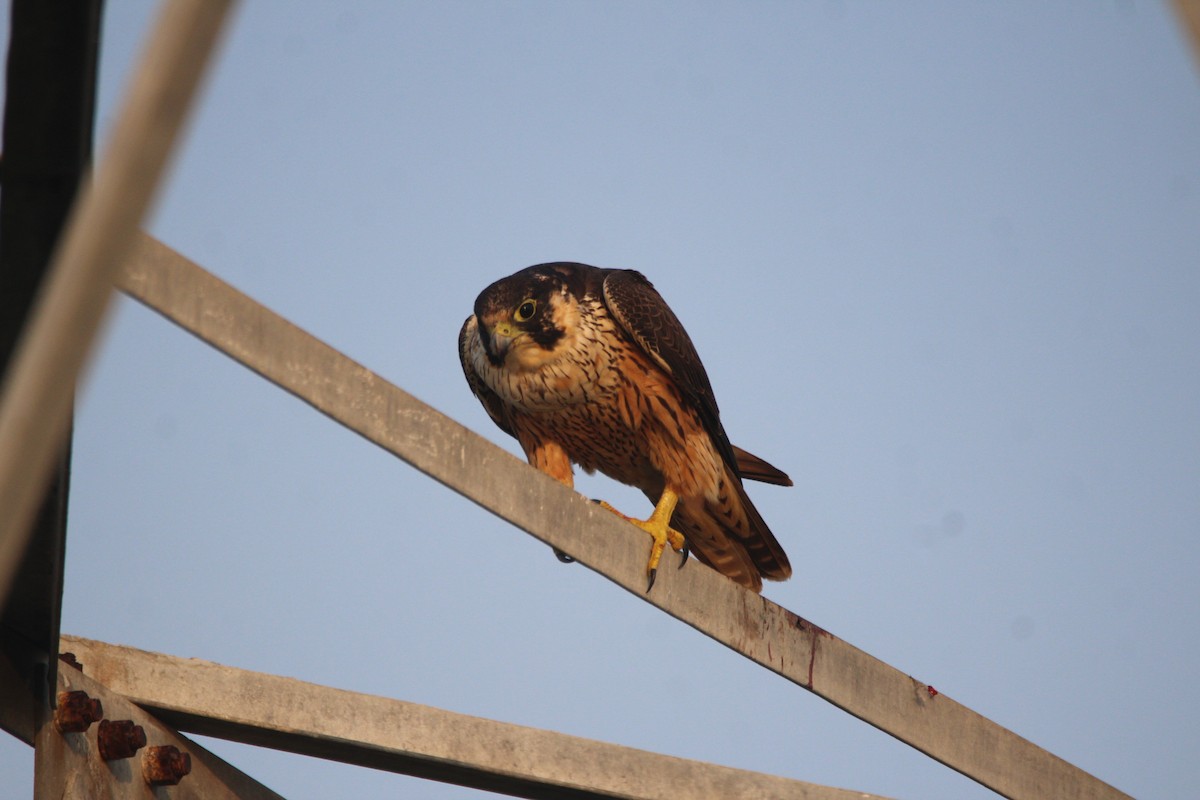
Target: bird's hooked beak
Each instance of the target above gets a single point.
(497, 339)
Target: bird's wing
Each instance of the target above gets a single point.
(645, 316)
(648, 320)
(495, 407)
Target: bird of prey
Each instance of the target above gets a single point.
(589, 365)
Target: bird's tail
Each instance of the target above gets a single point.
(753, 468)
(728, 534)
(761, 545)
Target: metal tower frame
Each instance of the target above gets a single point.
(142, 701)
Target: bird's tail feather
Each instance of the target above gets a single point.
(762, 546)
(753, 468)
(728, 534)
(712, 545)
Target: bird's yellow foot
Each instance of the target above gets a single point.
(660, 530)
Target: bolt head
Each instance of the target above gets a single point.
(165, 765)
(76, 712)
(119, 739)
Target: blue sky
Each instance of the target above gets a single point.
(940, 260)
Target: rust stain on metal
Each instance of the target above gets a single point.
(815, 634)
(165, 765)
(922, 692)
(812, 660)
(119, 739)
(76, 712)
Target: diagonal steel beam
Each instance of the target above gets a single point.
(36, 396)
(412, 739)
(764, 632)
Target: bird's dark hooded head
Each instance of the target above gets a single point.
(530, 312)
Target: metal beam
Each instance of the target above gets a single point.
(764, 632)
(21, 687)
(49, 104)
(412, 739)
(39, 385)
(70, 765)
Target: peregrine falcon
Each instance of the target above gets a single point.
(589, 365)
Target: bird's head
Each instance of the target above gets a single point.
(526, 319)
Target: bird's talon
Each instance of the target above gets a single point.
(660, 530)
(561, 556)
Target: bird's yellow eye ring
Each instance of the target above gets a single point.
(525, 311)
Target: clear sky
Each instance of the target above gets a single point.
(940, 259)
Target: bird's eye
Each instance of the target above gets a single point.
(525, 311)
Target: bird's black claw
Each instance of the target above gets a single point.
(561, 556)
(653, 575)
(684, 555)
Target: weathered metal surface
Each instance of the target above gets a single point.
(38, 389)
(289, 714)
(72, 766)
(771, 635)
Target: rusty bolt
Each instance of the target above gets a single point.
(69, 658)
(165, 765)
(119, 739)
(76, 712)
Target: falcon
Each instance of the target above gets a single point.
(590, 366)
